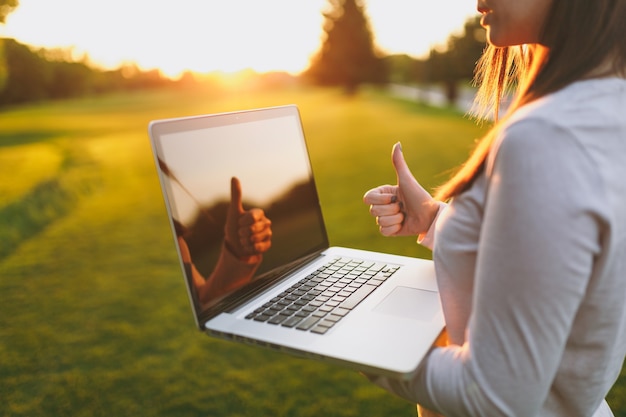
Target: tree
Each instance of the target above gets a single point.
(28, 74)
(466, 49)
(6, 7)
(401, 68)
(457, 62)
(36, 75)
(347, 56)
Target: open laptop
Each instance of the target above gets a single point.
(373, 312)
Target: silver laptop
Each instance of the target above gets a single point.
(231, 176)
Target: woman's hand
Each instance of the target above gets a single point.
(405, 209)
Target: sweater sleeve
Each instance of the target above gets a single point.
(538, 241)
(428, 239)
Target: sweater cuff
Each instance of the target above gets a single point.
(428, 239)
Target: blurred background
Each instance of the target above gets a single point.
(72, 48)
(94, 318)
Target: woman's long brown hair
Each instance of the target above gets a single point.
(578, 37)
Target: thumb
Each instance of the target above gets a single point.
(236, 205)
(403, 172)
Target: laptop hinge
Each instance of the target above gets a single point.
(262, 283)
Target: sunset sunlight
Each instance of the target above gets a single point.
(204, 36)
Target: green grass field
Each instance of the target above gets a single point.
(95, 319)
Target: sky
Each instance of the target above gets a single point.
(225, 35)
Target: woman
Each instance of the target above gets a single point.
(530, 248)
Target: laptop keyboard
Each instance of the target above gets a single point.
(319, 301)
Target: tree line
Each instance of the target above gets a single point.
(35, 75)
(347, 58)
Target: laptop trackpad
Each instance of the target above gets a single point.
(410, 303)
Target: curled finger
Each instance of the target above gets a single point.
(385, 209)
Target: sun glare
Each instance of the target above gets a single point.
(413, 28)
(206, 35)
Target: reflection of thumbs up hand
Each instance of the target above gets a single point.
(235, 210)
(402, 209)
(248, 233)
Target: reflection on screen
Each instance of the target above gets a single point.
(242, 201)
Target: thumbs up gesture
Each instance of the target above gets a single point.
(248, 233)
(404, 209)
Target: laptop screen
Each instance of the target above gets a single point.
(241, 199)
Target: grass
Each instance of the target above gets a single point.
(95, 320)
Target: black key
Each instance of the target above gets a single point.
(307, 323)
(381, 276)
(332, 318)
(378, 267)
(292, 309)
(340, 311)
(320, 329)
(277, 319)
(357, 297)
(323, 327)
(262, 317)
(292, 321)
